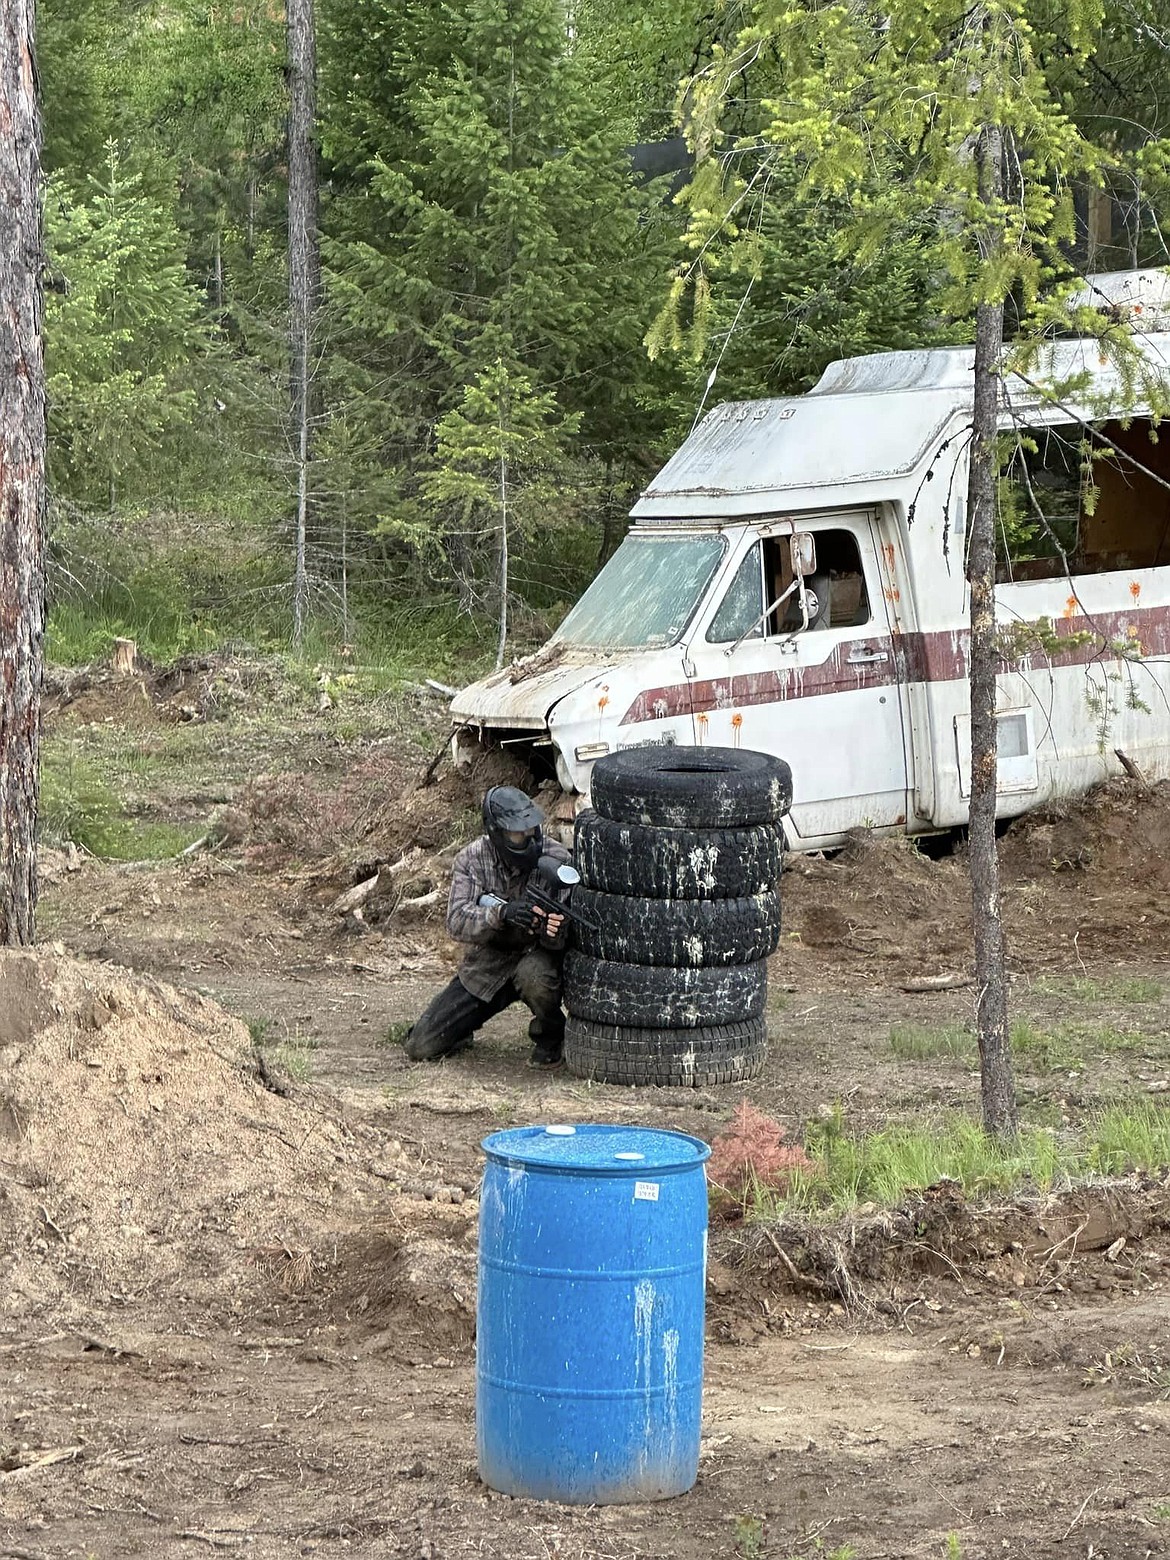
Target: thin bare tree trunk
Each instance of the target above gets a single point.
(22, 472)
(503, 639)
(304, 269)
(999, 1098)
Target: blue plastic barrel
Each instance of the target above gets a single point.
(592, 1268)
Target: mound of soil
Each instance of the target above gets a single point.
(1086, 876)
(140, 1154)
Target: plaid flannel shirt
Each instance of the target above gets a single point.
(495, 949)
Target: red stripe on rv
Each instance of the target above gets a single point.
(939, 656)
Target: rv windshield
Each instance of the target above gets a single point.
(645, 595)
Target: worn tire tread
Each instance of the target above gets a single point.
(678, 933)
(660, 863)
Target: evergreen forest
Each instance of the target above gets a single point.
(526, 296)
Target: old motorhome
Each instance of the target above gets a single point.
(794, 581)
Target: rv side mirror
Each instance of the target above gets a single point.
(804, 554)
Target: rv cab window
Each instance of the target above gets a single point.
(836, 591)
(646, 594)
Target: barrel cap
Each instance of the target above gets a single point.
(596, 1148)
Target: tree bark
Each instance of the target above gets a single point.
(22, 472)
(304, 269)
(614, 519)
(999, 1099)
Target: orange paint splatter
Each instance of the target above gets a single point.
(702, 724)
(1070, 607)
(736, 725)
(1135, 588)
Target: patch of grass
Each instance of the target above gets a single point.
(295, 1056)
(1120, 988)
(882, 1167)
(918, 1043)
(1069, 1047)
(78, 807)
(394, 1036)
(1131, 1138)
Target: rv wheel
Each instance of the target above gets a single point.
(691, 788)
(645, 996)
(629, 858)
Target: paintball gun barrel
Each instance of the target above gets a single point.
(554, 877)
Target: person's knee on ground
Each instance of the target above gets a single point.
(448, 1022)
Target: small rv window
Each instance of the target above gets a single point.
(742, 606)
(646, 594)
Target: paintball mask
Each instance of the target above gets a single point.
(512, 822)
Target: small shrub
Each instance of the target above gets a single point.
(751, 1157)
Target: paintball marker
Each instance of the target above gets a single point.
(557, 875)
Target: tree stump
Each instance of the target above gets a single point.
(125, 659)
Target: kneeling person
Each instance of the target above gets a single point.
(516, 948)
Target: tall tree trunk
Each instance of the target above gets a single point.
(999, 1098)
(502, 641)
(22, 472)
(614, 519)
(304, 269)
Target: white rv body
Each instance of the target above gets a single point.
(869, 704)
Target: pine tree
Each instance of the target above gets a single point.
(121, 335)
(483, 221)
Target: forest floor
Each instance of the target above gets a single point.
(236, 1320)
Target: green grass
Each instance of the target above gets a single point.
(78, 807)
(1131, 1138)
(882, 1167)
(917, 1042)
(1119, 988)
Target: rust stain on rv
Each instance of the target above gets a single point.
(1135, 589)
(935, 657)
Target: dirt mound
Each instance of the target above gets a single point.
(1112, 832)
(1100, 1239)
(879, 901)
(1082, 877)
(139, 1152)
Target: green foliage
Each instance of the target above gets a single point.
(484, 245)
(121, 338)
(881, 111)
(1136, 1138)
(917, 1042)
(79, 808)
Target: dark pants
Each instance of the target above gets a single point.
(454, 1015)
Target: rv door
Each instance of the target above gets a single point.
(797, 659)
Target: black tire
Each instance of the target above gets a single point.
(678, 933)
(629, 858)
(644, 997)
(671, 1058)
(691, 788)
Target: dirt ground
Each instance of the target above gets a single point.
(239, 1320)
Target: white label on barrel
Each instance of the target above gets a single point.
(645, 1191)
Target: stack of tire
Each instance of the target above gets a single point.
(680, 876)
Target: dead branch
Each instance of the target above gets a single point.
(1131, 769)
